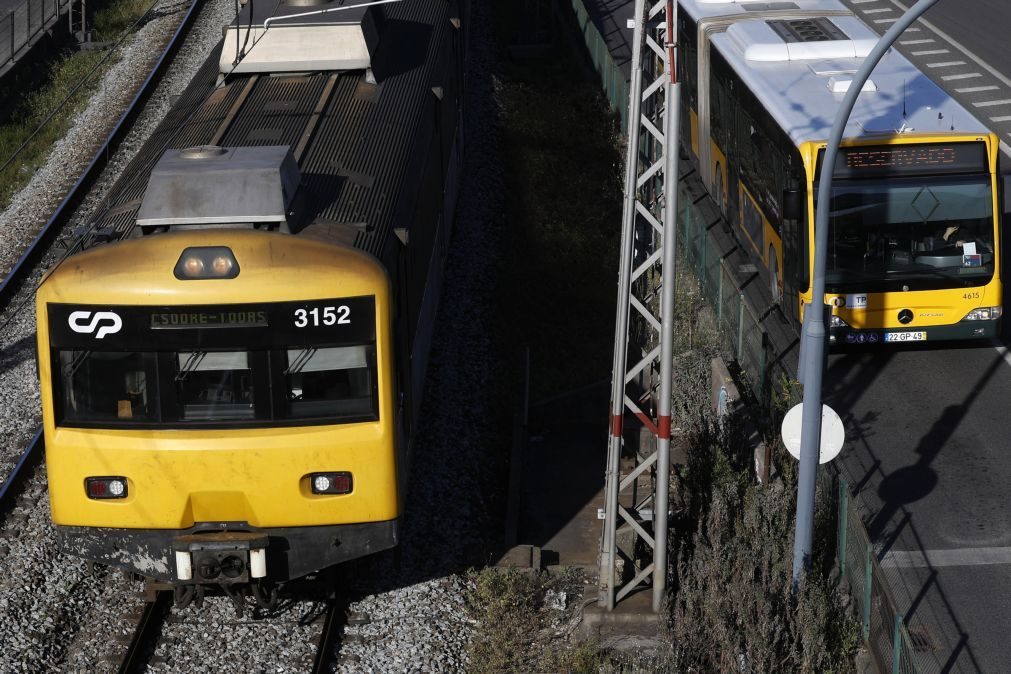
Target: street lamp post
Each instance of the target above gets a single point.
(815, 332)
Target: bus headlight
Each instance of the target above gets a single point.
(984, 314)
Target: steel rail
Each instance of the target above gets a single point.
(65, 211)
(30, 457)
(328, 639)
(144, 633)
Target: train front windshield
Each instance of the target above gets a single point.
(233, 386)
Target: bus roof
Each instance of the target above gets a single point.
(801, 81)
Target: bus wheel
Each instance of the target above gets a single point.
(774, 287)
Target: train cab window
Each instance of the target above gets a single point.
(107, 387)
(214, 386)
(330, 382)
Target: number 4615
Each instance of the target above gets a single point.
(326, 316)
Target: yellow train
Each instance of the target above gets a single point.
(230, 389)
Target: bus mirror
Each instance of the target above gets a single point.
(793, 207)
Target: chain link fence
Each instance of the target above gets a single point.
(20, 28)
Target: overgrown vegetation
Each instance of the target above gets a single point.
(43, 85)
(518, 609)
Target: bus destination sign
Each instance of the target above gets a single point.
(924, 159)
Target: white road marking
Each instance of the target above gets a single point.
(1002, 118)
(930, 52)
(958, 45)
(990, 104)
(963, 76)
(862, 2)
(1001, 349)
(877, 11)
(940, 558)
(972, 90)
(923, 41)
(946, 64)
(885, 20)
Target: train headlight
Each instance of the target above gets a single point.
(984, 314)
(206, 262)
(106, 487)
(837, 322)
(330, 483)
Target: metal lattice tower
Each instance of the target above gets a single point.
(635, 515)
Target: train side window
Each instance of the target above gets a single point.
(335, 382)
(107, 386)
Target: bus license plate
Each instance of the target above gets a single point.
(906, 336)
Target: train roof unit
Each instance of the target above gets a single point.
(211, 185)
(302, 36)
(799, 59)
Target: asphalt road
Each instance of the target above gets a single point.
(929, 430)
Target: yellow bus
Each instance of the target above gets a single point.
(914, 234)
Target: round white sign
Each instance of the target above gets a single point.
(833, 435)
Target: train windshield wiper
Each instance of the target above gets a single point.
(190, 364)
(301, 360)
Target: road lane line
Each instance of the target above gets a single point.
(914, 559)
(1002, 118)
(963, 76)
(877, 11)
(958, 45)
(922, 41)
(930, 52)
(946, 64)
(972, 90)
(1001, 349)
(885, 20)
(990, 104)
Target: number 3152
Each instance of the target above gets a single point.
(322, 316)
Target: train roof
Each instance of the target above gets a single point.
(362, 140)
(799, 57)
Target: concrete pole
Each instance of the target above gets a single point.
(815, 337)
(670, 188)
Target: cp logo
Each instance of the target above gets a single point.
(110, 323)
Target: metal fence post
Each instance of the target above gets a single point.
(12, 36)
(897, 645)
(719, 296)
(844, 506)
(868, 579)
(740, 324)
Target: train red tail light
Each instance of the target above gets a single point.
(331, 483)
(106, 487)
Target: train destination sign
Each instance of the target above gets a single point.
(344, 320)
(885, 160)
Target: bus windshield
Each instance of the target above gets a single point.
(917, 233)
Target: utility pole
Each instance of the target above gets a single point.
(644, 389)
(815, 334)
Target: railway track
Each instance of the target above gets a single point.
(141, 650)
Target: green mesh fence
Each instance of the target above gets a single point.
(884, 629)
(611, 77)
